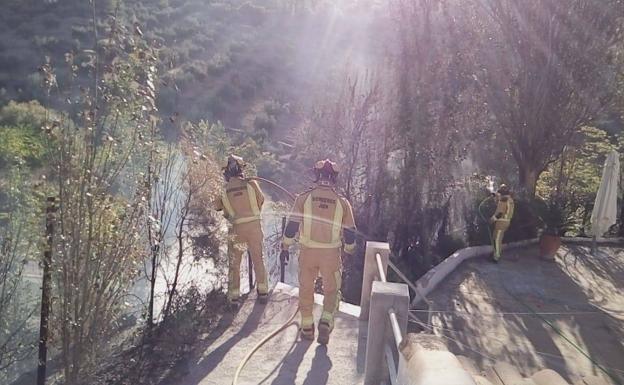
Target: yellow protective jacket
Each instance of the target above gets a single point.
(241, 200)
(321, 219)
(504, 208)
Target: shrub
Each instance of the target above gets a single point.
(31, 115)
(19, 144)
(218, 64)
(265, 122)
(197, 69)
(273, 108)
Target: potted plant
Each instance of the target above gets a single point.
(556, 215)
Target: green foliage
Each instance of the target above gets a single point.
(21, 138)
(265, 122)
(31, 115)
(576, 176)
(556, 214)
(20, 144)
(20, 233)
(102, 198)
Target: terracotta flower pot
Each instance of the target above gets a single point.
(549, 244)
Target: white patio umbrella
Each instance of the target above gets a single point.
(604, 213)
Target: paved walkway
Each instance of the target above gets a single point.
(284, 360)
(580, 294)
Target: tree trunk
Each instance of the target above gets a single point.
(528, 176)
(45, 292)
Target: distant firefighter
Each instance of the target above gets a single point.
(501, 218)
(242, 201)
(323, 221)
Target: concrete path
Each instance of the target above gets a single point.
(478, 315)
(284, 360)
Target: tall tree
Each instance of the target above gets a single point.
(547, 68)
(101, 202)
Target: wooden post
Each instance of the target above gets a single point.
(45, 291)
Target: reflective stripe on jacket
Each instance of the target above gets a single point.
(240, 201)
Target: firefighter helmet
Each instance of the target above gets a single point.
(234, 166)
(504, 190)
(326, 171)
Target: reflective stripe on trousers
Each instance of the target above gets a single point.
(500, 226)
(329, 267)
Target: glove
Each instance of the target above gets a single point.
(349, 249)
(285, 257)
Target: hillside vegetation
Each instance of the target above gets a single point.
(123, 112)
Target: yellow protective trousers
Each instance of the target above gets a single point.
(246, 236)
(326, 262)
(500, 226)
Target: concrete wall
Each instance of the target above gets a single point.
(419, 366)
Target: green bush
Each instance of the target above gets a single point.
(265, 122)
(218, 64)
(197, 69)
(273, 108)
(31, 115)
(20, 144)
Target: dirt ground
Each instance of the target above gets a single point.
(566, 315)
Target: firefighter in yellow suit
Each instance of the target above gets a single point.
(241, 202)
(501, 218)
(323, 222)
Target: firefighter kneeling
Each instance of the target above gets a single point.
(322, 220)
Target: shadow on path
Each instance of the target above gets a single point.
(290, 365)
(214, 358)
(319, 371)
(480, 296)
